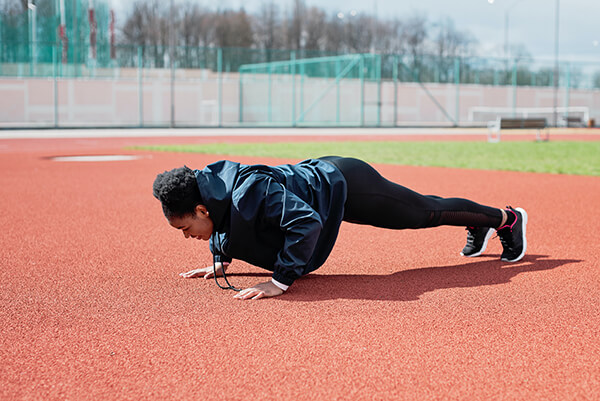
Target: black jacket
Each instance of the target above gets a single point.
(284, 218)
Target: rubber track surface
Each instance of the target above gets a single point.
(92, 306)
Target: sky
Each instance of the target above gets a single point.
(531, 22)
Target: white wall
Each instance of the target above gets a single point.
(130, 101)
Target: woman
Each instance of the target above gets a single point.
(286, 218)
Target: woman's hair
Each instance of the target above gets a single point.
(178, 192)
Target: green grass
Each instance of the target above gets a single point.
(580, 158)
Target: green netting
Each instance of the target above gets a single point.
(309, 91)
(30, 42)
(363, 66)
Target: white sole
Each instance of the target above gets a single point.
(524, 214)
(488, 235)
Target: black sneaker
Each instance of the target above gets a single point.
(477, 239)
(513, 237)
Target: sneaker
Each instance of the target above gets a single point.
(513, 237)
(477, 239)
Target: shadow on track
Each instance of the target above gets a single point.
(409, 285)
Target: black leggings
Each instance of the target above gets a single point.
(378, 202)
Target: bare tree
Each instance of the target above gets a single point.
(207, 25)
(233, 29)
(334, 34)
(450, 42)
(520, 53)
(295, 25)
(11, 11)
(267, 27)
(448, 45)
(148, 26)
(189, 33)
(414, 34)
(11, 7)
(315, 29)
(358, 34)
(388, 36)
(13, 29)
(427, 47)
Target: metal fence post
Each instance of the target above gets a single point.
(76, 46)
(567, 90)
(241, 97)
(514, 85)
(293, 59)
(378, 76)
(395, 77)
(337, 90)
(140, 63)
(54, 73)
(361, 75)
(302, 72)
(1, 47)
(172, 121)
(269, 100)
(32, 15)
(457, 84)
(220, 87)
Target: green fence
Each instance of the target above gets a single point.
(306, 89)
(43, 58)
(207, 86)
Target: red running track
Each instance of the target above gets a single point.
(93, 307)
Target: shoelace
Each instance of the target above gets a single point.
(470, 236)
(505, 238)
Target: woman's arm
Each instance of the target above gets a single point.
(301, 226)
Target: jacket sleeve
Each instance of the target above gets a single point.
(301, 225)
(217, 255)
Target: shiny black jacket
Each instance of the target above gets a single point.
(283, 218)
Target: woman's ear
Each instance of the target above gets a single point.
(201, 210)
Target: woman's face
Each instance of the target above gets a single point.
(198, 225)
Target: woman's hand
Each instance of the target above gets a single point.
(206, 272)
(262, 290)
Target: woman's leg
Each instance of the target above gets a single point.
(376, 201)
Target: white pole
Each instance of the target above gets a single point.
(373, 27)
(507, 10)
(556, 72)
(32, 35)
(506, 34)
(62, 30)
(61, 5)
(171, 59)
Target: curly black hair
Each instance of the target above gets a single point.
(177, 191)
